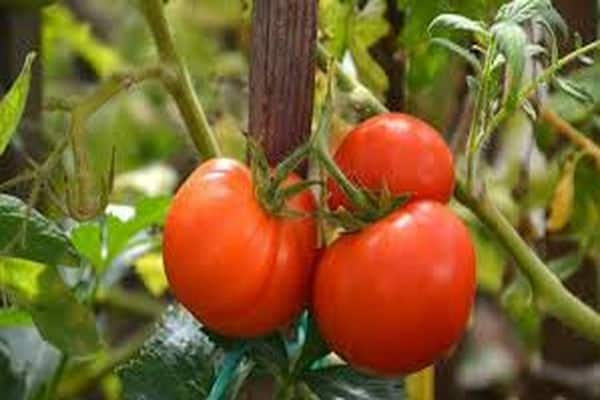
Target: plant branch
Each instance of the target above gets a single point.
(571, 133)
(180, 83)
(137, 303)
(552, 296)
(549, 292)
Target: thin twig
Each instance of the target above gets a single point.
(571, 133)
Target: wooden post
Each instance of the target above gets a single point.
(282, 74)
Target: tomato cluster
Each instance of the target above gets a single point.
(390, 298)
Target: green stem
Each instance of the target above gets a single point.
(180, 85)
(550, 294)
(142, 305)
(479, 118)
(321, 147)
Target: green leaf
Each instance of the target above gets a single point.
(343, 382)
(367, 26)
(456, 22)
(44, 241)
(148, 212)
(574, 89)
(512, 42)
(177, 362)
(517, 301)
(459, 50)
(13, 316)
(12, 383)
(87, 237)
(334, 20)
(57, 313)
(13, 103)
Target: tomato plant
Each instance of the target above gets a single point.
(450, 242)
(398, 153)
(409, 276)
(239, 270)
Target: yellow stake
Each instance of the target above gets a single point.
(421, 385)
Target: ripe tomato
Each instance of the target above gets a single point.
(241, 271)
(396, 296)
(398, 152)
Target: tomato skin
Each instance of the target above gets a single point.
(396, 296)
(398, 152)
(239, 270)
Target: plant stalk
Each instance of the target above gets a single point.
(550, 293)
(180, 83)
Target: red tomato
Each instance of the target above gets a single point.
(396, 296)
(241, 271)
(396, 151)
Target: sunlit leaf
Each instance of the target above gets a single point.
(43, 240)
(13, 316)
(334, 19)
(61, 319)
(61, 28)
(366, 28)
(151, 270)
(13, 103)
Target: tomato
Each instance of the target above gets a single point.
(398, 152)
(396, 296)
(241, 271)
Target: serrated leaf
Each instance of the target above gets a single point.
(456, 22)
(14, 317)
(60, 318)
(13, 103)
(459, 50)
(512, 42)
(519, 11)
(343, 382)
(44, 241)
(367, 26)
(334, 18)
(177, 362)
(151, 270)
